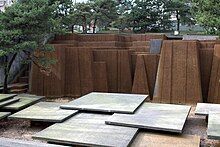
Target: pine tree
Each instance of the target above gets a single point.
(27, 26)
(207, 14)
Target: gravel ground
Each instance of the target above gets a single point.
(197, 125)
(17, 129)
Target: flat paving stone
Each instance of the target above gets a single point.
(205, 108)
(6, 142)
(28, 95)
(164, 117)
(153, 139)
(88, 129)
(107, 102)
(8, 102)
(214, 126)
(4, 97)
(24, 102)
(45, 112)
(4, 115)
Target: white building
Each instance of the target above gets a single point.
(5, 3)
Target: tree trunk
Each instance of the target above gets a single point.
(6, 72)
(5, 90)
(72, 28)
(178, 21)
(93, 31)
(5, 84)
(105, 28)
(84, 25)
(83, 29)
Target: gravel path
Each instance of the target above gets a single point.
(197, 125)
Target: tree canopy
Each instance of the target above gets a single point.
(149, 15)
(81, 14)
(181, 9)
(104, 12)
(207, 14)
(139, 15)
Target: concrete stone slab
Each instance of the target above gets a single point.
(8, 102)
(4, 97)
(107, 102)
(164, 117)
(28, 95)
(152, 139)
(214, 125)
(45, 112)
(4, 115)
(24, 102)
(88, 129)
(6, 142)
(205, 108)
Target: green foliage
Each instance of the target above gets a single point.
(27, 25)
(123, 21)
(141, 15)
(104, 12)
(81, 15)
(181, 9)
(153, 15)
(99, 13)
(207, 14)
(63, 12)
(1, 26)
(149, 16)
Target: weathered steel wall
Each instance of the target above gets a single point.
(79, 55)
(109, 63)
